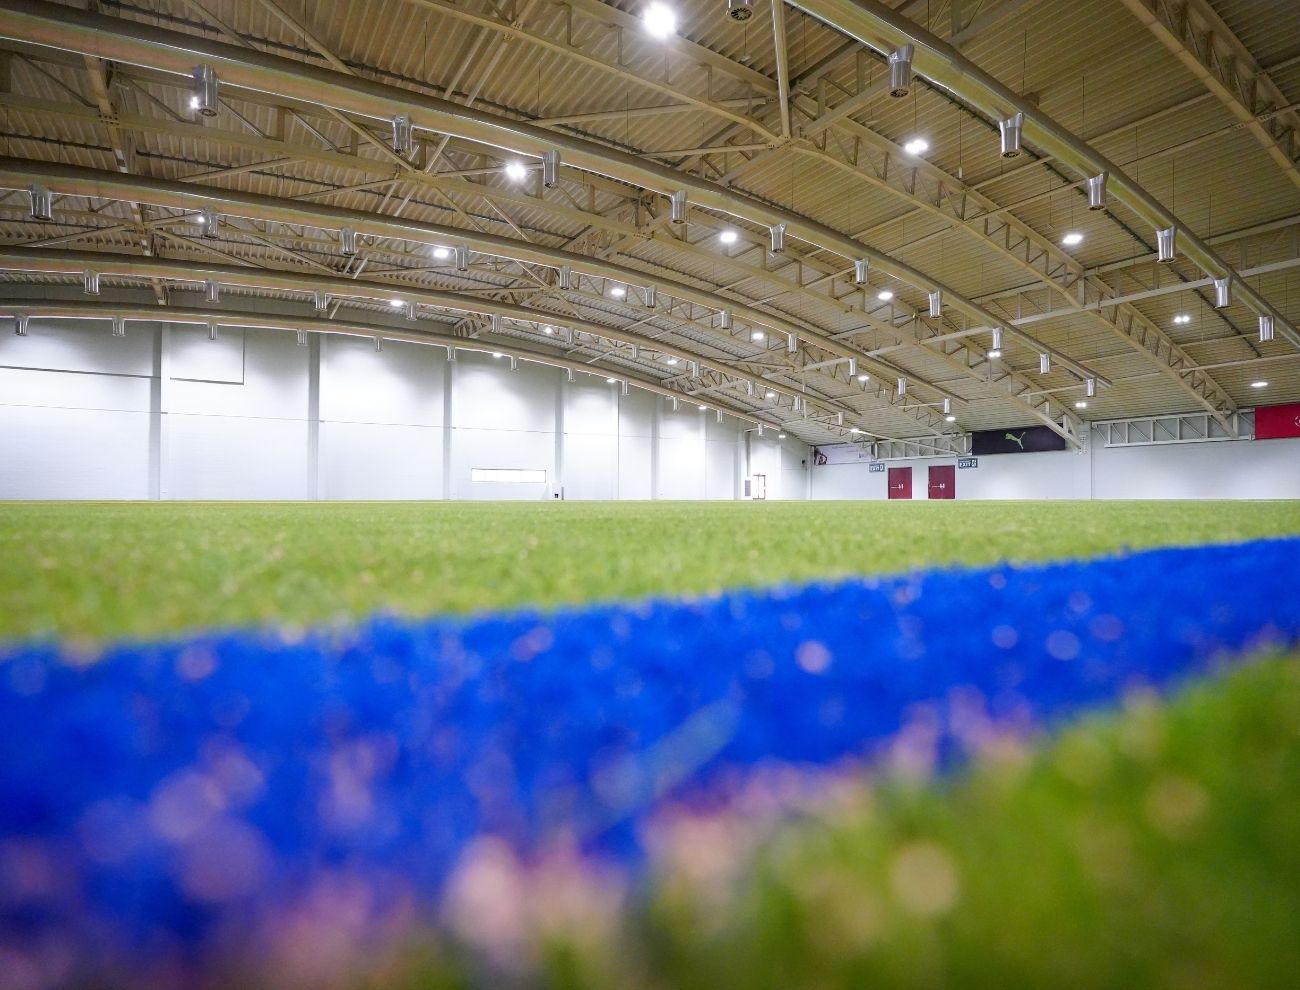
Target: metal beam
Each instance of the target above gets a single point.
(69, 29)
(1198, 38)
(874, 24)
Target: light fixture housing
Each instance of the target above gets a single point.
(936, 304)
(550, 169)
(20, 324)
(321, 301)
(677, 206)
(724, 319)
(617, 291)
(659, 19)
(1044, 363)
(395, 303)
(1072, 238)
(1081, 404)
(1182, 319)
(950, 418)
(90, 282)
(209, 221)
(1090, 387)
(776, 236)
(347, 242)
(441, 253)
(403, 135)
(1010, 129)
(42, 202)
(1259, 384)
(884, 295)
(1097, 191)
(302, 338)
(462, 257)
(900, 71)
(947, 406)
(902, 386)
(566, 277)
(792, 343)
(995, 348)
(651, 296)
(728, 237)
(212, 290)
(516, 172)
(917, 146)
(860, 269)
(212, 330)
(119, 327)
(1265, 328)
(863, 378)
(205, 90)
(1166, 245)
(1222, 292)
(757, 336)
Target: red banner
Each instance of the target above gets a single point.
(1275, 422)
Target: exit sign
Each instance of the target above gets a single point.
(968, 462)
(876, 467)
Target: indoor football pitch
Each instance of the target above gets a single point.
(650, 744)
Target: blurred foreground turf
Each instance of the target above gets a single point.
(1154, 847)
(112, 569)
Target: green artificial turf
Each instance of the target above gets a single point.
(1156, 846)
(111, 569)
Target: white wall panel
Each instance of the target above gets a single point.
(380, 461)
(196, 357)
(235, 457)
(271, 382)
(634, 479)
(488, 396)
(80, 345)
(487, 448)
(590, 466)
(1051, 475)
(54, 453)
(402, 384)
(1227, 469)
(75, 390)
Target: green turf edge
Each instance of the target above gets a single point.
(1154, 846)
(100, 570)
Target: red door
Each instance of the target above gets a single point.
(943, 481)
(900, 482)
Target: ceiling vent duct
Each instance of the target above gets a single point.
(1097, 191)
(321, 301)
(403, 136)
(740, 10)
(1222, 292)
(1010, 130)
(777, 234)
(347, 242)
(936, 304)
(42, 202)
(947, 407)
(651, 296)
(860, 268)
(212, 330)
(302, 338)
(462, 258)
(496, 323)
(204, 91)
(209, 222)
(677, 206)
(902, 386)
(211, 290)
(853, 367)
(90, 283)
(1265, 328)
(20, 324)
(1166, 245)
(1090, 387)
(566, 277)
(900, 71)
(792, 343)
(410, 311)
(995, 351)
(725, 319)
(119, 327)
(379, 344)
(550, 169)
(1044, 363)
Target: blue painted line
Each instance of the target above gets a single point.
(172, 792)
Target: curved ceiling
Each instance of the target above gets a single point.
(903, 293)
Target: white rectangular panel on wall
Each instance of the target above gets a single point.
(489, 396)
(52, 453)
(232, 457)
(501, 449)
(75, 390)
(272, 382)
(82, 346)
(196, 357)
(380, 461)
(590, 466)
(1254, 469)
(402, 384)
(634, 454)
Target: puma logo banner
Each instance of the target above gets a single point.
(1019, 440)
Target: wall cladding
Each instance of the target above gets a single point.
(166, 412)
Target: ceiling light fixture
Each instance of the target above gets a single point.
(618, 292)
(516, 172)
(917, 146)
(1259, 384)
(1081, 404)
(728, 237)
(1182, 318)
(950, 418)
(1072, 238)
(442, 253)
(395, 303)
(660, 20)
(864, 378)
(757, 335)
(884, 295)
